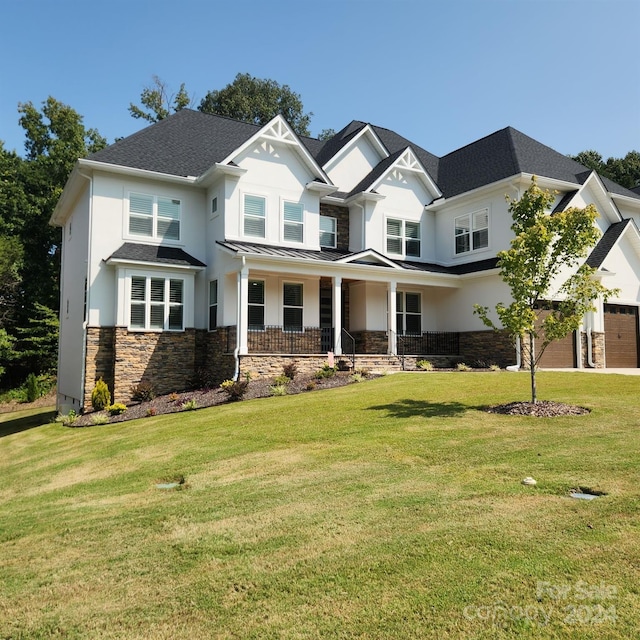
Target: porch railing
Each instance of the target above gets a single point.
(348, 347)
(278, 339)
(429, 343)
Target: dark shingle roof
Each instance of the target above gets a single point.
(564, 201)
(606, 243)
(339, 140)
(503, 154)
(333, 255)
(154, 254)
(186, 143)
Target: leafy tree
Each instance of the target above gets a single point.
(158, 102)
(37, 346)
(325, 134)
(7, 343)
(11, 257)
(257, 101)
(625, 171)
(545, 247)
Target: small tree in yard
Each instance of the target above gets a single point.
(546, 246)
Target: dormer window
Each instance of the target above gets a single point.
(154, 217)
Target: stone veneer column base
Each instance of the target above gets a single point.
(99, 360)
(597, 350)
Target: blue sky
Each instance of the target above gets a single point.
(442, 74)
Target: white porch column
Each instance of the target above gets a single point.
(243, 310)
(391, 319)
(337, 315)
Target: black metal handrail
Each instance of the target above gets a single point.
(350, 351)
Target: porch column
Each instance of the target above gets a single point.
(243, 310)
(391, 320)
(337, 315)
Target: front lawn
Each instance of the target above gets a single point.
(389, 509)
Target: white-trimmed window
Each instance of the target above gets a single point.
(214, 206)
(154, 216)
(328, 232)
(293, 216)
(255, 208)
(408, 313)
(256, 305)
(213, 305)
(292, 306)
(472, 231)
(156, 303)
(403, 237)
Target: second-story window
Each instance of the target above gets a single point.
(472, 231)
(254, 216)
(328, 232)
(403, 237)
(154, 217)
(293, 214)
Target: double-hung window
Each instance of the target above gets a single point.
(403, 237)
(256, 305)
(472, 231)
(408, 313)
(292, 306)
(154, 217)
(328, 232)
(293, 214)
(254, 215)
(156, 303)
(213, 305)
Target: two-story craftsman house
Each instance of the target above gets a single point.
(205, 244)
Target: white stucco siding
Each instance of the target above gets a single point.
(500, 233)
(276, 173)
(456, 306)
(404, 199)
(351, 167)
(624, 265)
(74, 272)
(110, 231)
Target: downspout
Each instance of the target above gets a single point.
(589, 329)
(236, 351)
(518, 364)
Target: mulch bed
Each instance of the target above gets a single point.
(173, 403)
(541, 409)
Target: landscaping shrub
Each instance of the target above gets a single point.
(461, 366)
(282, 380)
(290, 370)
(68, 419)
(99, 418)
(100, 396)
(143, 391)
(278, 389)
(326, 372)
(33, 388)
(235, 389)
(424, 365)
(116, 409)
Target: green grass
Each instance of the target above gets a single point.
(391, 509)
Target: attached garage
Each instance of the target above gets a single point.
(560, 354)
(621, 336)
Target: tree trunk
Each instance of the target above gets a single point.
(532, 367)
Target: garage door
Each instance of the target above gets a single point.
(560, 354)
(621, 336)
